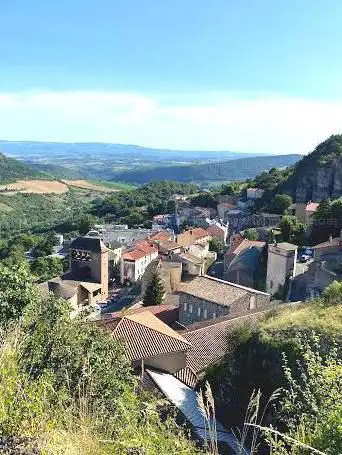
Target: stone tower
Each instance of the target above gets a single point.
(281, 266)
(89, 262)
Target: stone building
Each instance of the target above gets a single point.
(243, 260)
(86, 283)
(281, 267)
(149, 342)
(206, 297)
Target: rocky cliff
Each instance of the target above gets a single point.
(318, 175)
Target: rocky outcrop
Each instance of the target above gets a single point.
(320, 183)
(318, 176)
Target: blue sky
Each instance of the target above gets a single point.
(248, 75)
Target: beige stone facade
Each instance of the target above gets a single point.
(281, 266)
(209, 298)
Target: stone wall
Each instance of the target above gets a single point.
(194, 309)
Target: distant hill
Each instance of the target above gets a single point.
(238, 169)
(37, 150)
(56, 171)
(11, 170)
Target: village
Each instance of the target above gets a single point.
(173, 294)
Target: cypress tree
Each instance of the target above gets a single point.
(154, 291)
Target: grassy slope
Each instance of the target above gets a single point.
(327, 320)
(114, 185)
(254, 354)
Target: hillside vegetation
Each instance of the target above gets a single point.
(297, 349)
(11, 170)
(238, 169)
(66, 387)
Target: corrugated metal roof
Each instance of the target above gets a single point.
(185, 399)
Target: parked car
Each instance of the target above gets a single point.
(304, 258)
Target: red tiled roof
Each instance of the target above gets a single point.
(144, 335)
(168, 245)
(215, 231)
(227, 205)
(330, 243)
(133, 255)
(189, 237)
(145, 247)
(210, 343)
(140, 250)
(312, 207)
(166, 313)
(163, 235)
(244, 245)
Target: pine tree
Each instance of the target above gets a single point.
(154, 291)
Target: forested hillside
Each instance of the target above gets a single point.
(239, 169)
(11, 170)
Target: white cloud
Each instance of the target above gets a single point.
(262, 123)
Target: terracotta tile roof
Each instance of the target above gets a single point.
(227, 205)
(330, 243)
(210, 343)
(168, 245)
(145, 247)
(312, 207)
(165, 312)
(133, 255)
(162, 235)
(244, 245)
(215, 231)
(215, 290)
(144, 336)
(190, 237)
(141, 249)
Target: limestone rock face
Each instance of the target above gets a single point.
(320, 183)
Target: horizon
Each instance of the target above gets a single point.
(188, 76)
(253, 154)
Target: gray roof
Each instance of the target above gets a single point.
(95, 245)
(215, 290)
(212, 290)
(247, 259)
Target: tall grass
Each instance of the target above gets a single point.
(65, 423)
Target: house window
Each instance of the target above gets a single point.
(190, 307)
(185, 306)
(214, 315)
(205, 313)
(199, 311)
(252, 302)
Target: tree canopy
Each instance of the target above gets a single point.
(154, 292)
